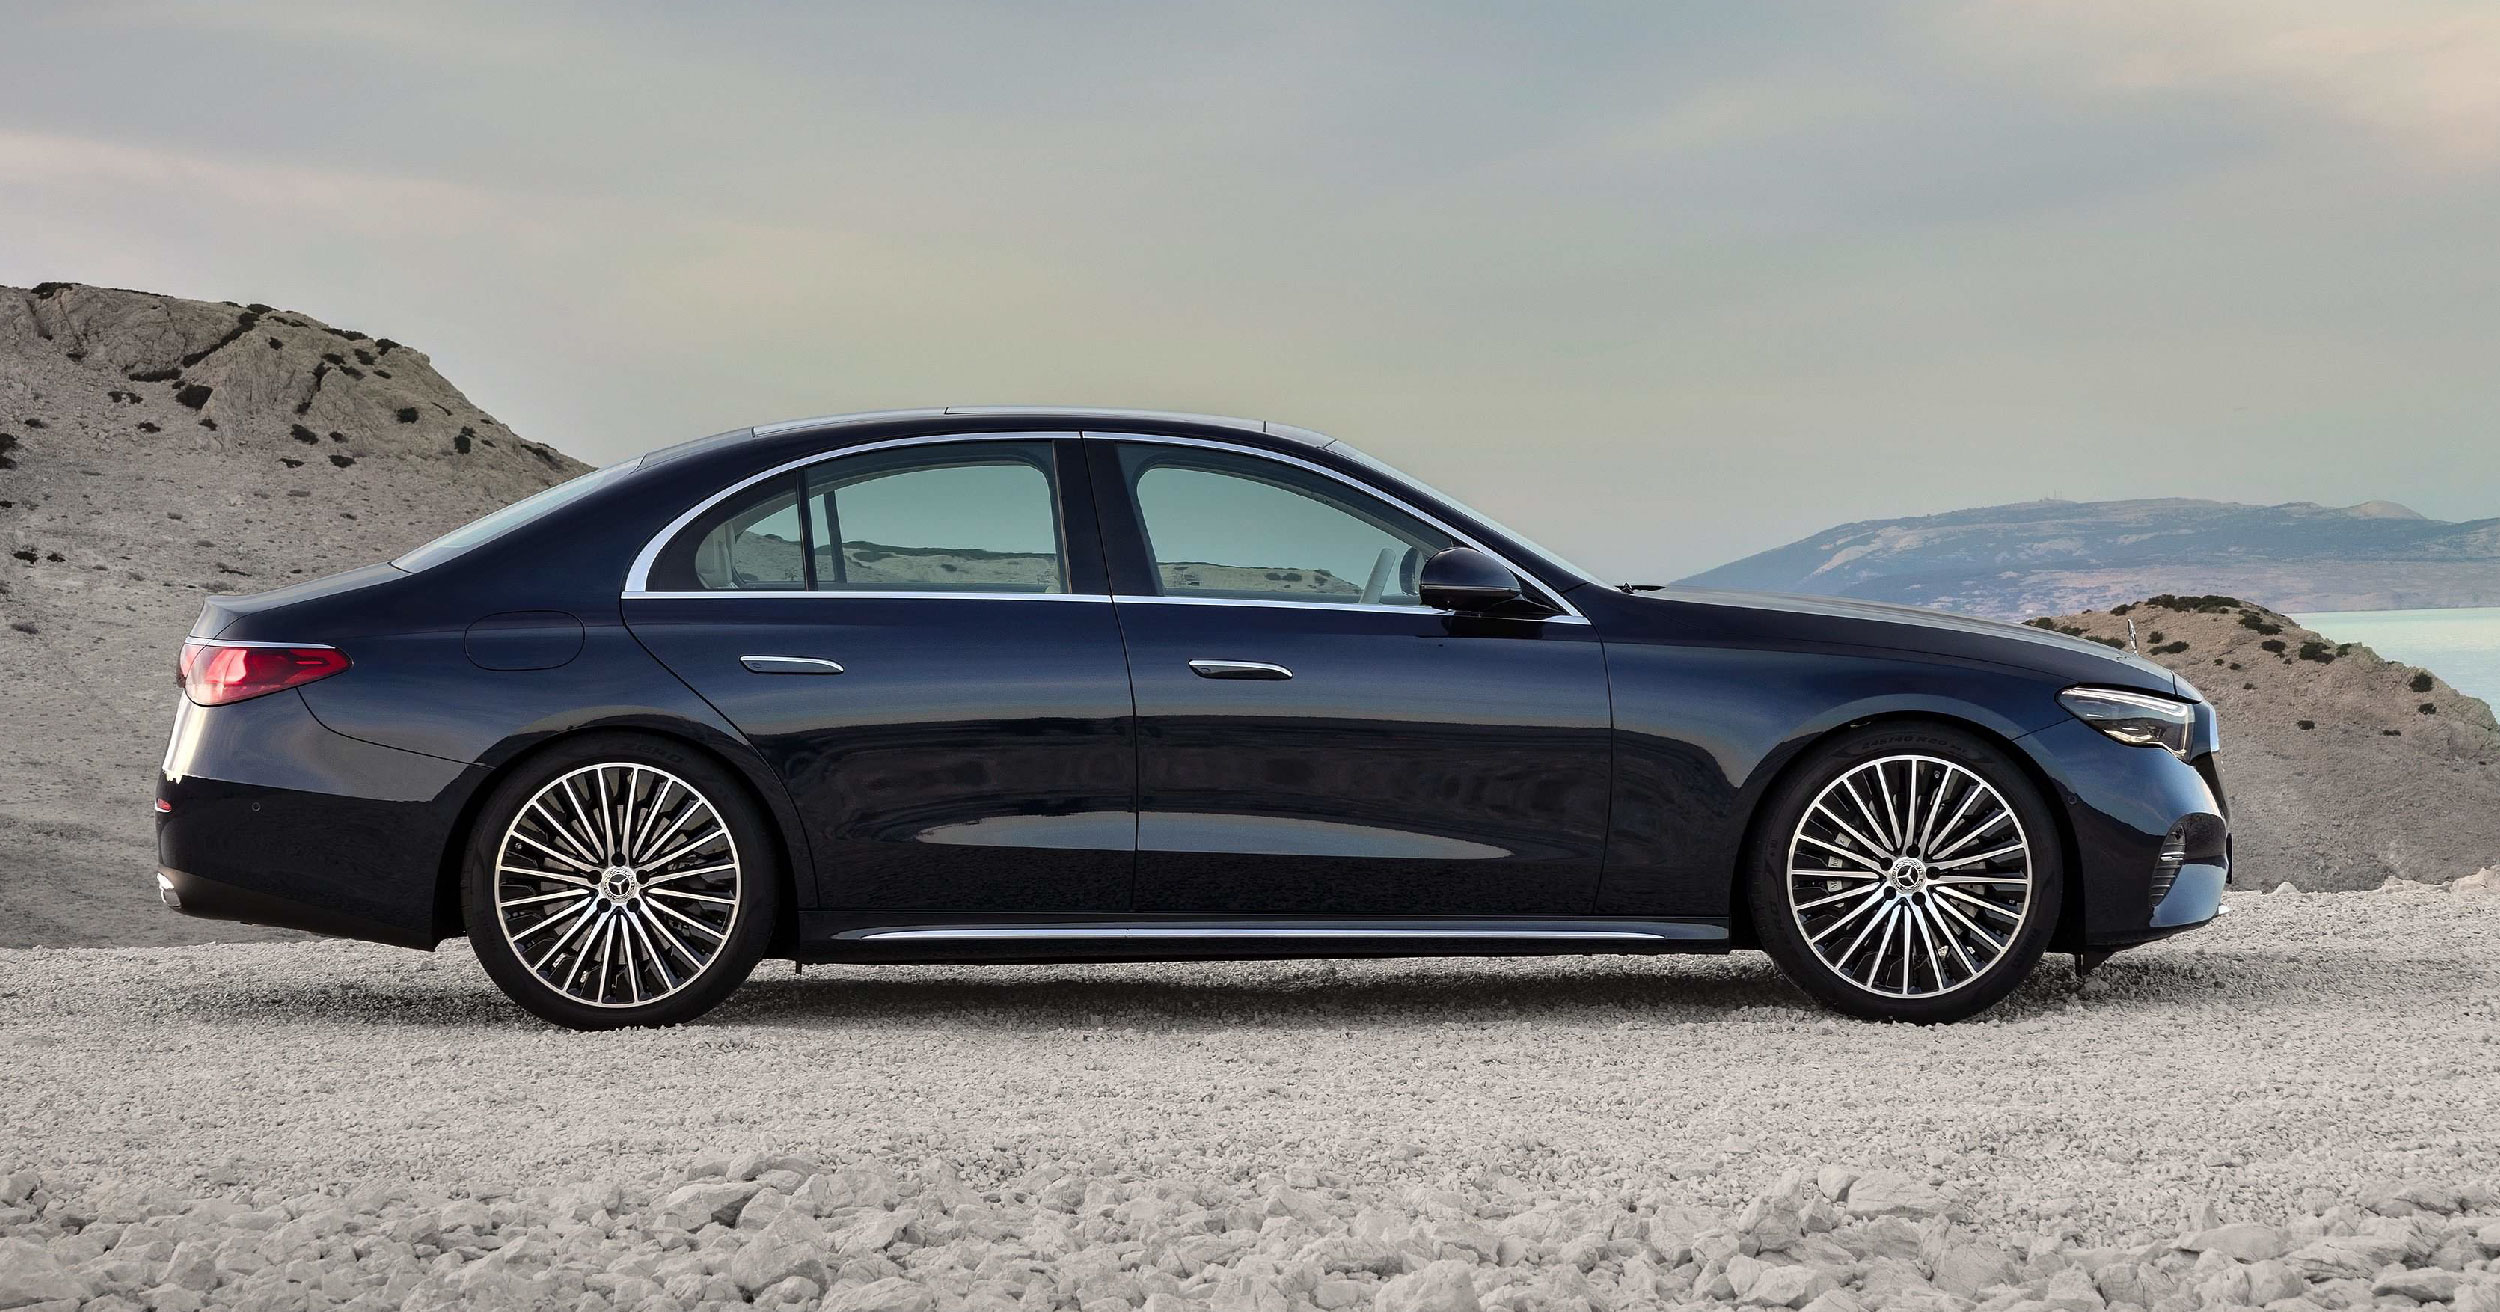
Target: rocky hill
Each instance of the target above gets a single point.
(2043, 557)
(153, 449)
(2343, 769)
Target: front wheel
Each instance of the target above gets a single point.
(620, 880)
(1907, 873)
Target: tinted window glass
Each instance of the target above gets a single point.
(755, 546)
(1222, 526)
(977, 520)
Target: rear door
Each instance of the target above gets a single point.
(918, 636)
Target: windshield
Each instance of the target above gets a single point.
(512, 516)
(1399, 475)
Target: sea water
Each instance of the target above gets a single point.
(2460, 645)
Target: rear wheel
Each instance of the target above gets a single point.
(1907, 873)
(620, 880)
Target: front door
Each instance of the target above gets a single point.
(1312, 740)
(918, 639)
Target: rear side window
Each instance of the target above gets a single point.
(978, 517)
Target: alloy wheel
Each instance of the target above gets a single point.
(1909, 876)
(617, 884)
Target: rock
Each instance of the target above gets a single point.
(2071, 1290)
(1889, 1193)
(1834, 1300)
(2478, 1296)
(1965, 1269)
(2243, 1241)
(1787, 1286)
(891, 1294)
(2426, 1285)
(694, 1206)
(766, 1261)
(30, 1274)
(1445, 1286)
(2483, 881)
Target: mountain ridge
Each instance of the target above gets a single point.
(2053, 556)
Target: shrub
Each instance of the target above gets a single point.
(2427, 709)
(2421, 681)
(2204, 605)
(2308, 724)
(2274, 645)
(2249, 619)
(304, 435)
(407, 414)
(2171, 648)
(194, 396)
(2122, 608)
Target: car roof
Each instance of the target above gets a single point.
(1069, 416)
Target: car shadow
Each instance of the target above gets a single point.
(1572, 991)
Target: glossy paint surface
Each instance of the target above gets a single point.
(1414, 762)
(1027, 761)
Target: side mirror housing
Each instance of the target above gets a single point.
(1464, 579)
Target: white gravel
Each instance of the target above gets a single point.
(2308, 1054)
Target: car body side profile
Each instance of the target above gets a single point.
(1023, 685)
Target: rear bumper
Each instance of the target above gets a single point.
(210, 900)
(265, 816)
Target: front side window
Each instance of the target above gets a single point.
(1235, 527)
(979, 517)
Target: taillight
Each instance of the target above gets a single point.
(216, 673)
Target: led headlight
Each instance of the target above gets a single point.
(2135, 718)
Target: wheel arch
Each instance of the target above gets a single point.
(763, 788)
(2070, 911)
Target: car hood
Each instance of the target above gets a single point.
(1910, 628)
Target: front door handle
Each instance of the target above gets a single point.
(789, 665)
(1239, 670)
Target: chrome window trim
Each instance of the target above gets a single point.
(785, 594)
(1369, 607)
(234, 642)
(1570, 614)
(638, 578)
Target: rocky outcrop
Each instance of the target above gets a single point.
(2343, 769)
(153, 449)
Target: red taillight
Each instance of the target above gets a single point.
(215, 673)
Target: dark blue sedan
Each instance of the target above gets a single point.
(1025, 685)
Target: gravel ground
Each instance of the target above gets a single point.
(1271, 1135)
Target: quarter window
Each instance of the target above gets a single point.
(1234, 527)
(980, 517)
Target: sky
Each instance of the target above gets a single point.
(1660, 285)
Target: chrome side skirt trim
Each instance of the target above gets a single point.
(1490, 932)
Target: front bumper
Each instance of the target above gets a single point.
(2122, 802)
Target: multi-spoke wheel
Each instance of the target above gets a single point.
(619, 881)
(1912, 874)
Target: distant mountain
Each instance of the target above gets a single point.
(2052, 557)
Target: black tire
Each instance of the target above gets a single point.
(650, 964)
(1935, 909)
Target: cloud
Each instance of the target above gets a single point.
(2423, 76)
(368, 204)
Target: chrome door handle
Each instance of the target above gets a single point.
(1239, 670)
(789, 665)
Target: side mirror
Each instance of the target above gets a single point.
(1464, 579)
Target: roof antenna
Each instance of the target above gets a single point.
(2131, 634)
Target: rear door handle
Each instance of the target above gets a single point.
(1239, 670)
(789, 665)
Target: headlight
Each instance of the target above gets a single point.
(2135, 718)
